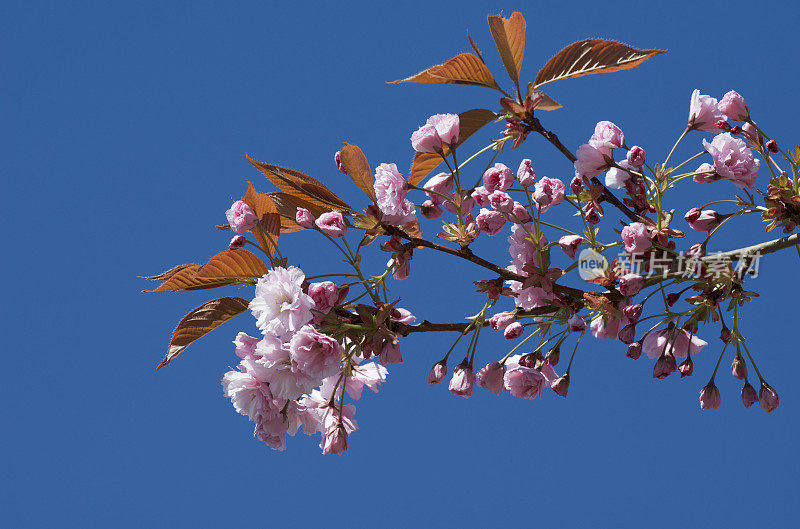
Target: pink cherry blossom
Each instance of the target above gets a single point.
(525, 174)
(304, 218)
(403, 316)
(249, 396)
(501, 320)
(491, 377)
(733, 106)
(576, 323)
(463, 381)
(447, 127)
(733, 160)
(704, 113)
(426, 139)
(332, 223)
(438, 185)
(706, 173)
(519, 214)
(636, 238)
(656, 343)
(548, 192)
(324, 294)
(315, 354)
(390, 193)
(285, 377)
(617, 176)
(521, 381)
(501, 201)
(630, 284)
(570, 244)
(390, 354)
(245, 345)
(497, 178)
(608, 329)
(607, 135)
(481, 196)
(490, 222)
(370, 375)
(241, 217)
(592, 161)
(335, 441)
(280, 304)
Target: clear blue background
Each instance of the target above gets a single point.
(124, 132)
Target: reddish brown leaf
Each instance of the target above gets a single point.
(357, 167)
(464, 68)
(301, 185)
(200, 322)
(163, 276)
(592, 56)
(547, 102)
(268, 216)
(509, 37)
(236, 263)
(184, 279)
(470, 122)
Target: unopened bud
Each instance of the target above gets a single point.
(430, 210)
(665, 366)
(438, 372)
(749, 395)
(513, 331)
(576, 185)
(772, 146)
(553, 356)
(725, 334)
(709, 397)
(768, 397)
(634, 350)
(672, 297)
(739, 368)
(237, 242)
(337, 158)
(736, 130)
(723, 125)
(687, 367)
(627, 334)
(561, 385)
(636, 156)
(632, 312)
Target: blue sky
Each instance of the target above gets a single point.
(125, 132)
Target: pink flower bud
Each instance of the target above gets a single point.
(425, 139)
(497, 178)
(749, 395)
(490, 377)
(632, 312)
(513, 331)
(636, 156)
(687, 367)
(607, 135)
(725, 334)
(561, 385)
(520, 213)
(237, 242)
(304, 218)
(706, 173)
(570, 243)
(749, 129)
(696, 251)
(733, 106)
(576, 185)
(447, 127)
(665, 365)
(501, 201)
(772, 146)
(709, 397)
(723, 125)
(627, 334)
(332, 223)
(525, 174)
(438, 185)
(739, 368)
(337, 158)
(241, 217)
(501, 320)
(768, 397)
(576, 323)
(463, 381)
(430, 210)
(548, 192)
(324, 294)
(631, 284)
(736, 130)
(592, 215)
(634, 350)
(636, 238)
(481, 196)
(705, 220)
(490, 222)
(553, 356)
(438, 372)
